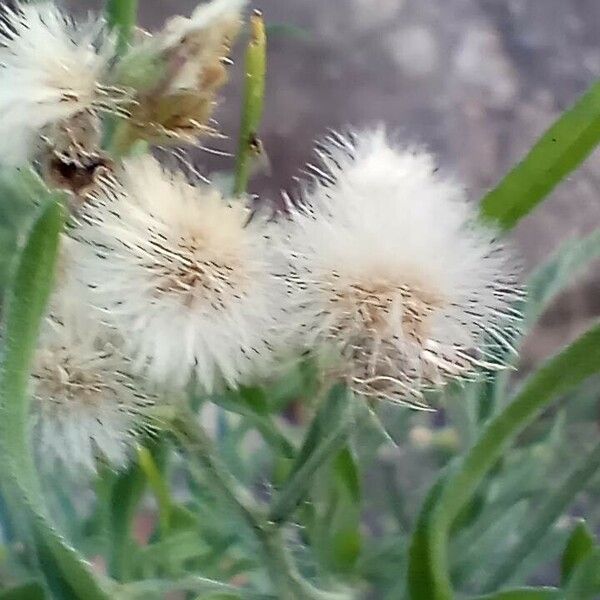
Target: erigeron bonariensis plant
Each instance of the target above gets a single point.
(378, 285)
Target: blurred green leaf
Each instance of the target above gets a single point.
(558, 152)
(288, 30)
(20, 192)
(584, 583)
(525, 594)
(26, 304)
(125, 495)
(325, 437)
(420, 581)
(555, 503)
(336, 524)
(561, 373)
(559, 272)
(581, 543)
(28, 591)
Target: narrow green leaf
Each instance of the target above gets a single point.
(141, 589)
(159, 486)
(558, 152)
(581, 543)
(525, 594)
(584, 583)
(125, 495)
(563, 372)
(327, 435)
(560, 271)
(556, 502)
(25, 307)
(420, 578)
(252, 108)
(28, 591)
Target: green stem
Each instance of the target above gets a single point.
(122, 17)
(24, 311)
(295, 490)
(282, 570)
(560, 374)
(252, 109)
(545, 516)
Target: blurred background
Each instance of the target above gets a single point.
(475, 81)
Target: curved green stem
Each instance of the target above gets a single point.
(25, 308)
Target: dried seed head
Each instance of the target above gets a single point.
(87, 406)
(387, 264)
(182, 273)
(192, 54)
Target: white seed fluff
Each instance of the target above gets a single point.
(50, 70)
(183, 274)
(387, 264)
(86, 404)
(210, 18)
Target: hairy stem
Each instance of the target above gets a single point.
(288, 581)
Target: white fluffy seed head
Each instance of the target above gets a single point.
(182, 273)
(86, 404)
(50, 70)
(387, 264)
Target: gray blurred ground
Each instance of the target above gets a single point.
(476, 81)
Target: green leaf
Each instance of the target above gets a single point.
(420, 580)
(142, 589)
(584, 583)
(335, 525)
(288, 30)
(25, 307)
(326, 436)
(28, 591)
(556, 274)
(558, 152)
(125, 495)
(525, 594)
(581, 543)
(560, 374)
(556, 502)
(252, 109)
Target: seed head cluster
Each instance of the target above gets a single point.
(378, 268)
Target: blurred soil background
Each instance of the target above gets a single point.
(475, 81)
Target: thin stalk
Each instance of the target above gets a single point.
(122, 18)
(547, 514)
(282, 570)
(295, 490)
(252, 108)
